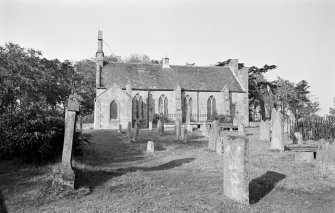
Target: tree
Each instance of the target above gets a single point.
(332, 109)
(138, 58)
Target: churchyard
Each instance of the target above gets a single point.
(117, 175)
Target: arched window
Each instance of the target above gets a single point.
(163, 105)
(138, 109)
(113, 110)
(211, 106)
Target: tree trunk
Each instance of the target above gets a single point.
(262, 109)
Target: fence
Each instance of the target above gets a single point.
(315, 129)
(199, 118)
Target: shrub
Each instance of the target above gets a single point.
(88, 119)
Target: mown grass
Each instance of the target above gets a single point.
(115, 175)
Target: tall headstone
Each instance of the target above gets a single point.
(184, 135)
(129, 129)
(267, 130)
(120, 128)
(236, 174)
(150, 125)
(297, 138)
(160, 127)
(135, 132)
(262, 130)
(241, 130)
(276, 136)
(63, 173)
(273, 115)
(178, 128)
(325, 159)
(220, 144)
(214, 135)
(235, 121)
(150, 147)
(3, 208)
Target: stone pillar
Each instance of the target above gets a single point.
(241, 130)
(325, 159)
(129, 129)
(3, 208)
(214, 135)
(267, 130)
(184, 135)
(150, 125)
(150, 147)
(178, 128)
(63, 173)
(220, 145)
(276, 136)
(120, 128)
(235, 174)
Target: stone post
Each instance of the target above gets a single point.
(120, 128)
(63, 173)
(178, 128)
(241, 130)
(235, 174)
(150, 147)
(150, 125)
(184, 135)
(129, 129)
(3, 208)
(325, 159)
(214, 135)
(277, 136)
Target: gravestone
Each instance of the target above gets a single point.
(214, 135)
(297, 138)
(220, 144)
(150, 147)
(235, 174)
(120, 128)
(325, 159)
(3, 208)
(178, 129)
(135, 132)
(184, 135)
(241, 130)
(267, 130)
(235, 122)
(189, 128)
(150, 125)
(276, 136)
(273, 115)
(262, 130)
(160, 127)
(129, 129)
(63, 173)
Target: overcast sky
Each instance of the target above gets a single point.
(296, 35)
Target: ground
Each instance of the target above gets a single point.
(114, 175)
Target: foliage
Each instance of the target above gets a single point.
(332, 109)
(33, 92)
(88, 119)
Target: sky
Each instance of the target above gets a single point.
(296, 35)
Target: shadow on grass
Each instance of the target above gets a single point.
(261, 186)
(92, 179)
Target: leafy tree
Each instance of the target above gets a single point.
(138, 58)
(332, 109)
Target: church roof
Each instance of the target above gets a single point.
(153, 76)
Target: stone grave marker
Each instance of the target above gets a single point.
(236, 165)
(184, 135)
(276, 136)
(214, 135)
(150, 125)
(325, 159)
(129, 129)
(262, 130)
(297, 138)
(178, 129)
(135, 133)
(267, 130)
(120, 129)
(220, 144)
(241, 130)
(63, 173)
(150, 147)
(160, 126)
(3, 208)
(235, 122)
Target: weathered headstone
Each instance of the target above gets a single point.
(189, 128)
(150, 147)
(3, 208)
(135, 132)
(267, 130)
(214, 135)
(160, 127)
(63, 173)
(150, 125)
(220, 144)
(297, 138)
(273, 115)
(129, 129)
(325, 159)
(120, 128)
(262, 130)
(276, 136)
(235, 121)
(241, 130)
(236, 174)
(178, 128)
(184, 135)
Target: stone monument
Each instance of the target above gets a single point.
(262, 130)
(63, 173)
(150, 147)
(276, 136)
(184, 135)
(235, 174)
(214, 135)
(267, 130)
(325, 159)
(241, 130)
(129, 129)
(178, 129)
(150, 125)
(120, 128)
(297, 138)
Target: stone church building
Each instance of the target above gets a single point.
(126, 92)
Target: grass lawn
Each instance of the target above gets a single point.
(114, 175)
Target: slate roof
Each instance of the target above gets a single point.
(153, 76)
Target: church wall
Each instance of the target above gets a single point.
(241, 107)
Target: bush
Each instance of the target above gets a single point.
(88, 119)
(34, 136)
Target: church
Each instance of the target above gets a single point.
(126, 92)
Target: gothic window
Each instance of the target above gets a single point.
(211, 106)
(113, 110)
(163, 105)
(138, 109)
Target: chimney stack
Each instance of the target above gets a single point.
(166, 62)
(99, 60)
